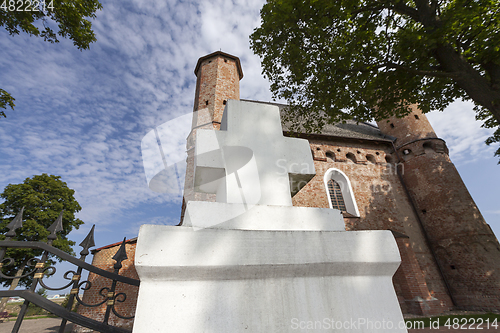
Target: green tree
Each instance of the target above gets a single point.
(371, 59)
(42, 292)
(69, 15)
(43, 198)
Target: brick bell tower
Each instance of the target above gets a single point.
(465, 248)
(218, 78)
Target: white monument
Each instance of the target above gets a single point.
(251, 262)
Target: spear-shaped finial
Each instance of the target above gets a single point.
(56, 227)
(88, 242)
(16, 223)
(120, 255)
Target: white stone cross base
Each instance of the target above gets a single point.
(231, 281)
(218, 215)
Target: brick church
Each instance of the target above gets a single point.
(395, 176)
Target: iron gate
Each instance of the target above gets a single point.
(38, 269)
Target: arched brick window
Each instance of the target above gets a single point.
(336, 195)
(340, 193)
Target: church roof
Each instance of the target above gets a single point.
(128, 241)
(350, 129)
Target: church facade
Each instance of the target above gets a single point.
(395, 176)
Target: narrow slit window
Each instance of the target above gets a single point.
(336, 195)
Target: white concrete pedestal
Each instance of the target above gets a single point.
(251, 262)
(223, 280)
(203, 214)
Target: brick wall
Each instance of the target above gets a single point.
(465, 248)
(411, 285)
(383, 205)
(102, 259)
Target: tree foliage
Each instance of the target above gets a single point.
(371, 59)
(43, 198)
(490, 122)
(5, 100)
(70, 16)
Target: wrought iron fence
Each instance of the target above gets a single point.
(38, 270)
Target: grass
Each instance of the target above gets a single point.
(33, 312)
(34, 317)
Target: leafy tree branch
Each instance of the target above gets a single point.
(5, 100)
(345, 59)
(71, 16)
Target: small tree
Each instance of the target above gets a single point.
(42, 292)
(43, 198)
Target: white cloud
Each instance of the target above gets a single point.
(462, 133)
(133, 228)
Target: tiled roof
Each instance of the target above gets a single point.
(131, 240)
(349, 129)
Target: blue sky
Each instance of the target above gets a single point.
(82, 114)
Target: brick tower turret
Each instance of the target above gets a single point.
(465, 248)
(218, 79)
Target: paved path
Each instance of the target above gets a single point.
(45, 325)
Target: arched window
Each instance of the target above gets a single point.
(339, 191)
(351, 157)
(336, 197)
(370, 158)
